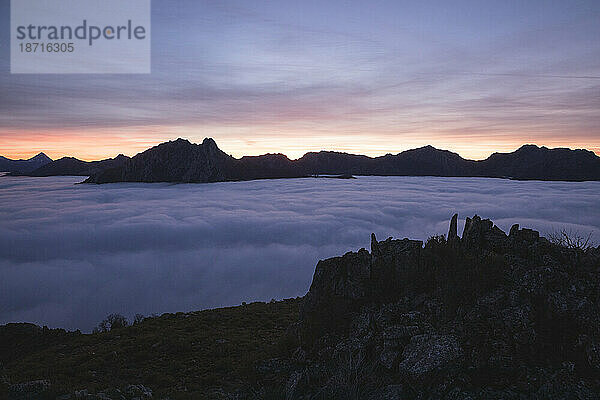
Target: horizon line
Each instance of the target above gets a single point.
(24, 156)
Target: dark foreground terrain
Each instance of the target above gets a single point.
(204, 354)
(482, 316)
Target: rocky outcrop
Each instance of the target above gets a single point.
(483, 315)
(483, 233)
(339, 285)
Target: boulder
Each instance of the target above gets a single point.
(428, 353)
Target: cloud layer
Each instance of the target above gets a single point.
(71, 254)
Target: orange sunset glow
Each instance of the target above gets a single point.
(471, 85)
(101, 145)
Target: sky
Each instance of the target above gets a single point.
(369, 77)
(72, 254)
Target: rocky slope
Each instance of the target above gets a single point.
(23, 166)
(182, 161)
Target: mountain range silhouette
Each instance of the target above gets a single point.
(185, 162)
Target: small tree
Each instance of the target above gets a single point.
(113, 321)
(571, 239)
(138, 319)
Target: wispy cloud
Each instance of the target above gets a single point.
(488, 79)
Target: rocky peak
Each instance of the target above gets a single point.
(41, 157)
(181, 141)
(173, 161)
(210, 145)
(531, 148)
(121, 157)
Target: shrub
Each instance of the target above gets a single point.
(113, 321)
(138, 319)
(571, 239)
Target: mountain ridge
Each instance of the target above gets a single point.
(24, 165)
(181, 161)
(185, 162)
(71, 166)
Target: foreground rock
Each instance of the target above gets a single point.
(485, 315)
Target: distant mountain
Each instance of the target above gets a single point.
(533, 162)
(23, 166)
(182, 161)
(176, 161)
(71, 166)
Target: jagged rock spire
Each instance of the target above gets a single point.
(452, 233)
(514, 230)
(373, 243)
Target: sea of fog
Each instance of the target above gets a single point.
(71, 254)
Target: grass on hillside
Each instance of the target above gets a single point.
(182, 355)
